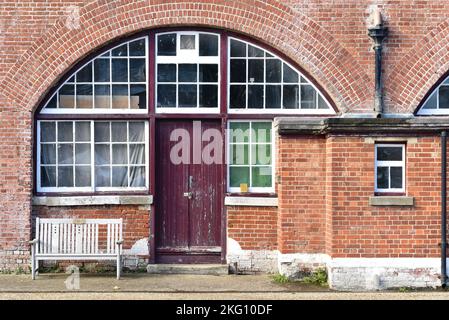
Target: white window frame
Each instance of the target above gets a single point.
(185, 56)
(381, 163)
(250, 165)
(91, 188)
(110, 110)
(437, 111)
(281, 110)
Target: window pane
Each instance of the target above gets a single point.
(138, 97)
(187, 42)
(187, 72)
(444, 97)
(136, 131)
(166, 72)
(382, 177)
(166, 96)
(65, 176)
(137, 70)
(102, 132)
(48, 154)
(239, 154)
(102, 154)
(119, 154)
(238, 70)
(82, 131)
(103, 176)
(239, 131)
(255, 97)
(65, 153)
(137, 177)
(65, 131)
(308, 97)
(121, 51)
(261, 132)
(238, 175)
(208, 45)
(261, 177)
(261, 154)
(238, 49)
(273, 97)
(322, 104)
(119, 176)
(48, 131)
(208, 96)
(67, 96)
(290, 75)
(103, 96)
(84, 99)
(208, 73)
(119, 70)
(48, 177)
(389, 153)
(137, 48)
(137, 154)
(119, 96)
(396, 177)
(432, 102)
(255, 70)
(273, 72)
(291, 97)
(187, 96)
(82, 153)
(82, 176)
(255, 52)
(119, 131)
(237, 96)
(85, 74)
(52, 104)
(166, 44)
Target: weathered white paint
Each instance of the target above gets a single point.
(92, 200)
(233, 247)
(251, 201)
(139, 248)
(295, 265)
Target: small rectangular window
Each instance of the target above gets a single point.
(390, 168)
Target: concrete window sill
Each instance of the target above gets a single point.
(391, 201)
(92, 201)
(251, 201)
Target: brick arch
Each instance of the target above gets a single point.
(293, 34)
(417, 73)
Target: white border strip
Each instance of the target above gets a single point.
(251, 201)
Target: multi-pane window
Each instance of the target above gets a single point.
(390, 168)
(258, 80)
(187, 72)
(250, 156)
(438, 101)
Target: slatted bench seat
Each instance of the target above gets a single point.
(77, 239)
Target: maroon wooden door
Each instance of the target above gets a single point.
(188, 199)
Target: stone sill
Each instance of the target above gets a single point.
(92, 201)
(251, 201)
(391, 201)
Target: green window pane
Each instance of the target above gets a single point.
(261, 154)
(239, 131)
(238, 175)
(261, 177)
(261, 132)
(239, 154)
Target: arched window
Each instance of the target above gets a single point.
(95, 132)
(437, 102)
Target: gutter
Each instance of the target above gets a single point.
(443, 210)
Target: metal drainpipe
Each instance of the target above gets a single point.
(443, 209)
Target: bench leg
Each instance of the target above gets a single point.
(33, 264)
(118, 267)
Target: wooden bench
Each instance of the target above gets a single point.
(77, 239)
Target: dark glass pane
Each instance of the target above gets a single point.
(52, 103)
(67, 96)
(101, 70)
(255, 70)
(48, 154)
(273, 72)
(65, 176)
(65, 153)
(238, 175)
(261, 177)
(102, 154)
(48, 177)
(137, 154)
(290, 75)
(65, 131)
(48, 131)
(119, 154)
(84, 96)
(208, 45)
(444, 97)
(322, 104)
(119, 132)
(103, 96)
(120, 96)
(166, 44)
(238, 70)
(255, 52)
(187, 42)
(166, 96)
(291, 97)
(208, 73)
(119, 70)
(238, 48)
(136, 131)
(255, 97)
(137, 177)
(208, 96)
(273, 97)
(432, 101)
(382, 177)
(137, 70)
(102, 132)
(237, 97)
(82, 176)
(137, 48)
(85, 74)
(71, 80)
(166, 72)
(389, 153)
(396, 177)
(121, 51)
(187, 96)
(82, 131)
(138, 96)
(187, 72)
(308, 97)
(82, 153)
(102, 177)
(119, 176)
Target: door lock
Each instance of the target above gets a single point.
(188, 195)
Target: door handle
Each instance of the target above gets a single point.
(188, 195)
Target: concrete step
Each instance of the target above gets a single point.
(200, 269)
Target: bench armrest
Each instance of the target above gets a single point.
(33, 242)
(120, 242)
